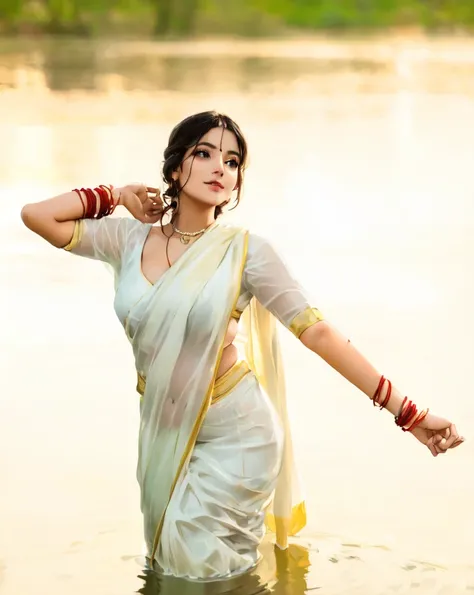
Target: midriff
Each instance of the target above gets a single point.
(229, 353)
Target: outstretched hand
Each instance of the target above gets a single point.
(438, 434)
(143, 202)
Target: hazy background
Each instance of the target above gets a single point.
(361, 172)
(178, 18)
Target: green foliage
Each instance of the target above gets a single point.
(177, 18)
(10, 9)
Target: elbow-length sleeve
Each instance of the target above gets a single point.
(268, 278)
(102, 239)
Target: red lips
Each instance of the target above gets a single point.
(215, 183)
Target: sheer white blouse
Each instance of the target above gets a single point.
(119, 242)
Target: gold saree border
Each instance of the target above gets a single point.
(141, 384)
(304, 320)
(236, 314)
(203, 409)
(76, 236)
(228, 381)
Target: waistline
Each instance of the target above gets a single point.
(222, 386)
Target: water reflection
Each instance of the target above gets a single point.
(85, 67)
(279, 572)
(72, 68)
(91, 65)
(331, 568)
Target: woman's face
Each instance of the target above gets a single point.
(209, 171)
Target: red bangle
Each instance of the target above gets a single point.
(105, 193)
(82, 201)
(410, 412)
(104, 206)
(111, 198)
(387, 396)
(418, 420)
(377, 392)
(397, 417)
(93, 208)
(406, 414)
(91, 203)
(107, 206)
(114, 204)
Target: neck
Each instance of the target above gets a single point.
(193, 217)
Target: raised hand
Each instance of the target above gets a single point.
(143, 202)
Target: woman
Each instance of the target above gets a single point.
(215, 457)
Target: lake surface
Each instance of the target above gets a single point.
(361, 173)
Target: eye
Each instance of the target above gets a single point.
(201, 153)
(233, 163)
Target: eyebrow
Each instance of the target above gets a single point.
(211, 146)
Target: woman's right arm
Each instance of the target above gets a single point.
(59, 220)
(54, 219)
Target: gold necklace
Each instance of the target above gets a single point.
(185, 236)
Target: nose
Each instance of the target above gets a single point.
(219, 165)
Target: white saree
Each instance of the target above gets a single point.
(210, 472)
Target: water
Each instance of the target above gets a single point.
(361, 173)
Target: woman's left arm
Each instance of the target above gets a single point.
(437, 433)
(269, 279)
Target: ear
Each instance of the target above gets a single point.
(175, 175)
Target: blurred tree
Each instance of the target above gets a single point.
(61, 12)
(175, 17)
(189, 12)
(10, 9)
(163, 16)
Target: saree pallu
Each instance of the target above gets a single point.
(178, 337)
(286, 514)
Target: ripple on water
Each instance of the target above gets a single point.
(330, 567)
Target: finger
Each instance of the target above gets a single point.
(439, 443)
(152, 190)
(149, 203)
(459, 441)
(435, 441)
(153, 204)
(444, 433)
(153, 210)
(432, 447)
(453, 437)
